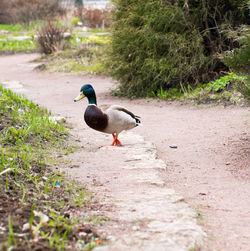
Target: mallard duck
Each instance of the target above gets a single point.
(111, 119)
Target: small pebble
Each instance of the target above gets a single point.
(19, 211)
(83, 234)
(202, 194)
(173, 146)
(135, 228)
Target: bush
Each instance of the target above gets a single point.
(238, 60)
(158, 44)
(50, 38)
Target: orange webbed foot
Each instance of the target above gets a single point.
(116, 141)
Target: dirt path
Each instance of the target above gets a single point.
(210, 168)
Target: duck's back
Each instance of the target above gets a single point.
(95, 118)
(119, 119)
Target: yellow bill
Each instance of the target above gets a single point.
(79, 97)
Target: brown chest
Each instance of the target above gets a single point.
(95, 118)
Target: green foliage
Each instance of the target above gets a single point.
(10, 41)
(15, 45)
(211, 17)
(76, 41)
(238, 60)
(75, 20)
(167, 94)
(158, 44)
(221, 83)
(223, 89)
(13, 27)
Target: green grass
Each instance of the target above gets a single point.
(15, 31)
(76, 66)
(77, 41)
(98, 31)
(28, 139)
(14, 45)
(85, 59)
(168, 94)
(20, 28)
(85, 55)
(14, 28)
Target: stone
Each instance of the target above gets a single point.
(173, 146)
(19, 211)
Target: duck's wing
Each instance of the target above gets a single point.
(123, 109)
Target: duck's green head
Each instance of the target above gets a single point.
(87, 91)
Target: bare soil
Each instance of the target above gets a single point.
(210, 167)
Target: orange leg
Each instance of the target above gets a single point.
(116, 141)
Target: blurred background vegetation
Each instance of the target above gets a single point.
(155, 48)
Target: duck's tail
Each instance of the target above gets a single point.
(137, 121)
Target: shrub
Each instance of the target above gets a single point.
(153, 47)
(50, 38)
(158, 44)
(238, 60)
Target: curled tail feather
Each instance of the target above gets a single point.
(137, 120)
